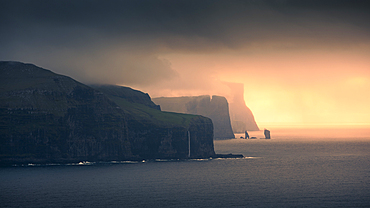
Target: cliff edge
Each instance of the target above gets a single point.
(47, 117)
(241, 116)
(217, 109)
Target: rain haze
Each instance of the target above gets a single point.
(301, 62)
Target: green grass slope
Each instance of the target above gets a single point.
(145, 111)
(47, 117)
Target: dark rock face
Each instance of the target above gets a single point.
(157, 134)
(216, 109)
(267, 134)
(172, 142)
(49, 117)
(46, 117)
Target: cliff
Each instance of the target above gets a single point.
(241, 116)
(216, 109)
(162, 134)
(129, 94)
(46, 117)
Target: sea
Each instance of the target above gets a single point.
(295, 168)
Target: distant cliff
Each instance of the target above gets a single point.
(241, 116)
(46, 117)
(216, 109)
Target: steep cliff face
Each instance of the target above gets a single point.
(241, 116)
(49, 117)
(157, 134)
(216, 109)
(173, 141)
(46, 117)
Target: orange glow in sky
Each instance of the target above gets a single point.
(291, 87)
(301, 62)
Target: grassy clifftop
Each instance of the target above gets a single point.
(215, 108)
(141, 107)
(46, 117)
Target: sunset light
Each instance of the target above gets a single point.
(185, 103)
(298, 87)
(299, 64)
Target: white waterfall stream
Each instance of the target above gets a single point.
(189, 143)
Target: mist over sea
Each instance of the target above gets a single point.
(296, 168)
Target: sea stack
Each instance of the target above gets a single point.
(267, 134)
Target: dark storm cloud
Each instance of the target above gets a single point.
(224, 22)
(57, 34)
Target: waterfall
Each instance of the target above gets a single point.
(189, 143)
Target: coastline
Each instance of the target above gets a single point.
(31, 163)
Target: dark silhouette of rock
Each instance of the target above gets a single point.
(162, 134)
(241, 116)
(217, 109)
(229, 156)
(267, 134)
(246, 135)
(46, 117)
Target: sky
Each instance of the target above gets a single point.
(301, 62)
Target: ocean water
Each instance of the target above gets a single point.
(296, 168)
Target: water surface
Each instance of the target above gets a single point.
(293, 169)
